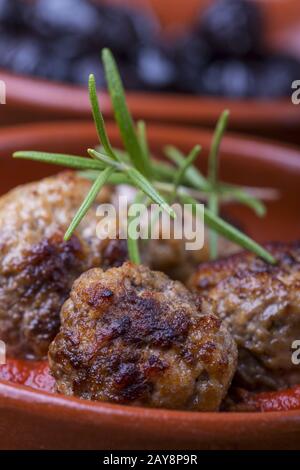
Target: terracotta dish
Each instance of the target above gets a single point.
(32, 419)
(31, 99)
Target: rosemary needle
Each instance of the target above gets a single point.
(123, 116)
(87, 203)
(69, 161)
(229, 232)
(186, 164)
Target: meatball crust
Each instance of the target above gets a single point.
(37, 267)
(130, 335)
(260, 305)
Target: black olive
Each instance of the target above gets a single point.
(70, 47)
(191, 54)
(230, 78)
(8, 45)
(83, 67)
(276, 75)
(123, 30)
(130, 77)
(54, 68)
(11, 12)
(24, 54)
(233, 27)
(155, 69)
(7, 11)
(61, 18)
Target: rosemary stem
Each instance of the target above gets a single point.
(213, 204)
(213, 170)
(107, 160)
(132, 243)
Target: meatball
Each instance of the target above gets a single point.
(37, 267)
(260, 305)
(132, 336)
(171, 256)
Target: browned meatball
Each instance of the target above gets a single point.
(132, 336)
(260, 304)
(171, 256)
(37, 268)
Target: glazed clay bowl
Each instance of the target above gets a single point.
(31, 419)
(32, 99)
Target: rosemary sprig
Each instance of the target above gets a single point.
(154, 179)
